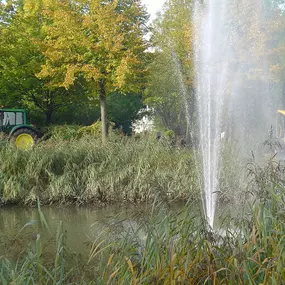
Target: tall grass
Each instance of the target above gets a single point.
(165, 248)
(174, 249)
(180, 250)
(84, 170)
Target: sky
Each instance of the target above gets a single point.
(153, 6)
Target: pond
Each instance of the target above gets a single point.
(20, 226)
(82, 224)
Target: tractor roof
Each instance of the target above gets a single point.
(12, 110)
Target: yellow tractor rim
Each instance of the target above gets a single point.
(24, 141)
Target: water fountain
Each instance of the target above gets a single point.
(233, 81)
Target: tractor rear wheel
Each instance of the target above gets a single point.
(24, 138)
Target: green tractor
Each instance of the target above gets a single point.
(13, 123)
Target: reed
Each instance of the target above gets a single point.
(165, 248)
(174, 249)
(83, 170)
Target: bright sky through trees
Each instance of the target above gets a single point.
(153, 6)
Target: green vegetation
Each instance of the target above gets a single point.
(63, 65)
(58, 57)
(74, 62)
(79, 168)
(174, 249)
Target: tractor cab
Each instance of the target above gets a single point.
(10, 118)
(13, 123)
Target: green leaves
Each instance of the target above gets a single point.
(171, 80)
(54, 54)
(103, 42)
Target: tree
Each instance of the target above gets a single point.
(21, 49)
(256, 69)
(124, 109)
(100, 40)
(172, 91)
(163, 94)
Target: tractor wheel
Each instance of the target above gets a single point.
(24, 138)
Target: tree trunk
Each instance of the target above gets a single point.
(103, 105)
(49, 113)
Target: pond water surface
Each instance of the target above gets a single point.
(20, 226)
(82, 224)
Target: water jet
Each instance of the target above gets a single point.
(232, 72)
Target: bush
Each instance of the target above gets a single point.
(61, 132)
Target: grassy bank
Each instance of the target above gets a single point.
(83, 170)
